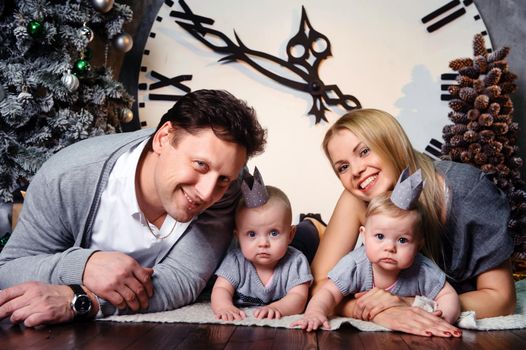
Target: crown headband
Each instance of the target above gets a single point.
(407, 190)
(253, 189)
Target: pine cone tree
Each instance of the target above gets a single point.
(484, 134)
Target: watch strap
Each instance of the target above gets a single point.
(77, 289)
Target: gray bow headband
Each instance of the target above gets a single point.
(253, 189)
(407, 190)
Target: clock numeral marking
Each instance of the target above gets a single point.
(168, 3)
(165, 81)
(434, 148)
(449, 18)
(197, 20)
(452, 78)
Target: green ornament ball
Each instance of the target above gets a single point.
(35, 29)
(80, 67)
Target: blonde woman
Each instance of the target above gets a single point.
(465, 217)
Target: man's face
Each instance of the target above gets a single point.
(195, 173)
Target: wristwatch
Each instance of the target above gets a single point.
(81, 303)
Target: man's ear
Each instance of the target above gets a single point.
(162, 137)
(292, 233)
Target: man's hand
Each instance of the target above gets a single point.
(35, 303)
(119, 279)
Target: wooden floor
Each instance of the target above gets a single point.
(105, 335)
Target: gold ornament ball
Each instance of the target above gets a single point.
(125, 115)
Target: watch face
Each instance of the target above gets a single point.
(301, 64)
(82, 304)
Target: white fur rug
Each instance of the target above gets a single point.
(201, 312)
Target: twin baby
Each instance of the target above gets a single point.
(263, 271)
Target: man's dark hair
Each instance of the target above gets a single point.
(230, 119)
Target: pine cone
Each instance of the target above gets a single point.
(499, 54)
(467, 94)
(457, 141)
(492, 91)
(508, 76)
(502, 65)
(471, 136)
(474, 125)
(488, 168)
(460, 63)
(471, 72)
(481, 64)
(464, 81)
(481, 102)
(473, 114)
(479, 46)
(458, 105)
(475, 148)
(516, 162)
(486, 135)
(458, 117)
(493, 77)
(494, 109)
(485, 119)
(466, 157)
(478, 85)
(500, 128)
(458, 129)
(480, 158)
(453, 90)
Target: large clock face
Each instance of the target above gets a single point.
(391, 55)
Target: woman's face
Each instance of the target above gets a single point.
(361, 171)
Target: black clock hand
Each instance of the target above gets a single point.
(306, 38)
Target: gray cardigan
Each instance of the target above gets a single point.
(49, 243)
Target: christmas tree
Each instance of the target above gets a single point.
(50, 95)
(484, 134)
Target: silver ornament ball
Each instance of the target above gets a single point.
(125, 115)
(70, 81)
(102, 6)
(123, 42)
(88, 33)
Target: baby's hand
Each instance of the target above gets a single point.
(230, 313)
(312, 321)
(268, 312)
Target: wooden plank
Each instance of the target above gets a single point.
(383, 340)
(432, 343)
(163, 336)
(253, 338)
(292, 339)
(116, 335)
(346, 337)
(208, 337)
(492, 340)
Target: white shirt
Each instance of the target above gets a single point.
(121, 226)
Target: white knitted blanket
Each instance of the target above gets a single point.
(201, 312)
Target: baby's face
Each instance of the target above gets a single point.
(264, 234)
(391, 243)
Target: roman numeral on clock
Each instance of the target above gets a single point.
(454, 4)
(449, 79)
(163, 82)
(434, 149)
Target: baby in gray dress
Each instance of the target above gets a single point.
(389, 260)
(263, 271)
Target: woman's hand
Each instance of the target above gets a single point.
(369, 304)
(416, 321)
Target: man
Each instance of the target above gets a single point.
(134, 220)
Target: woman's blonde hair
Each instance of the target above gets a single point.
(382, 133)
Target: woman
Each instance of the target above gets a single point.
(465, 216)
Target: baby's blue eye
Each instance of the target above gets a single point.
(274, 233)
(403, 240)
